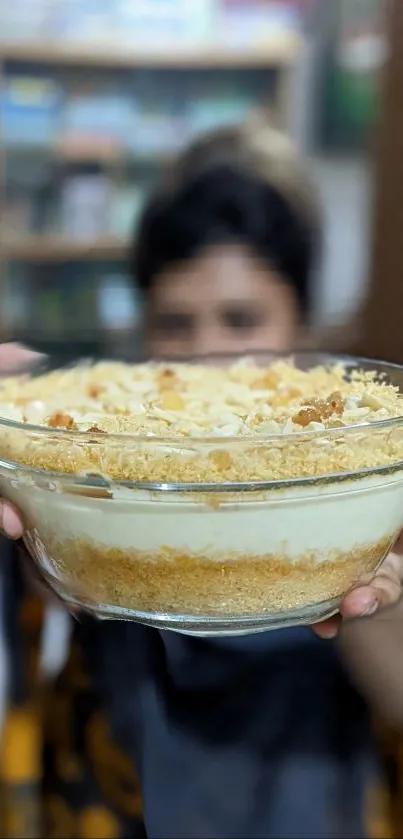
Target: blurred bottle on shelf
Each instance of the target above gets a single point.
(16, 216)
(78, 284)
(118, 304)
(30, 110)
(157, 132)
(352, 90)
(97, 115)
(159, 24)
(246, 23)
(16, 300)
(26, 20)
(89, 22)
(218, 100)
(127, 203)
(85, 206)
(50, 314)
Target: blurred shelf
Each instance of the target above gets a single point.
(281, 50)
(62, 249)
(65, 335)
(86, 154)
(70, 345)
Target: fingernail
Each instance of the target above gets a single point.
(329, 634)
(370, 610)
(10, 524)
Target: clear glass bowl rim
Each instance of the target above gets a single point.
(317, 358)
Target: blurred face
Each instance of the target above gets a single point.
(223, 301)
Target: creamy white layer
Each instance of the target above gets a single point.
(340, 516)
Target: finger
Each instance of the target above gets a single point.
(385, 589)
(10, 520)
(398, 546)
(328, 629)
(365, 601)
(14, 356)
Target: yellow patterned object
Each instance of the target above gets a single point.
(21, 773)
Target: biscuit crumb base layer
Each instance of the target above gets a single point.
(151, 422)
(169, 582)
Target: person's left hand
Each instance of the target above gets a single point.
(385, 589)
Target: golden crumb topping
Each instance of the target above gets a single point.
(196, 402)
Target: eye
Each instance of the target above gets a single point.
(241, 319)
(173, 323)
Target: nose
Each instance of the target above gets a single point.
(202, 336)
(206, 340)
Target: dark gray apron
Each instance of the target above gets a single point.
(253, 737)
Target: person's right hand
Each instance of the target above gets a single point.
(13, 357)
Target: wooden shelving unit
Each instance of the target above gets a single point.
(81, 154)
(45, 249)
(282, 52)
(278, 52)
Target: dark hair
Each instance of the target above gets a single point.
(221, 204)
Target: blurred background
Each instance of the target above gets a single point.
(96, 96)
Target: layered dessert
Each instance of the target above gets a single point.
(201, 496)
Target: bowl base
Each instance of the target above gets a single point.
(203, 626)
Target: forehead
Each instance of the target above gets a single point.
(221, 274)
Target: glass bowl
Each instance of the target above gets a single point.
(206, 555)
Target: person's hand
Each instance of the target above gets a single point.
(13, 357)
(384, 590)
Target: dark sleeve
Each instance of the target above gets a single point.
(12, 594)
(257, 737)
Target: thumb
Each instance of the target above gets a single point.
(10, 520)
(13, 357)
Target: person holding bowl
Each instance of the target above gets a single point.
(259, 736)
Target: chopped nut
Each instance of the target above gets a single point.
(95, 430)
(294, 392)
(352, 403)
(269, 427)
(283, 397)
(369, 400)
(168, 380)
(280, 400)
(268, 381)
(289, 427)
(94, 391)
(316, 426)
(352, 417)
(336, 402)
(306, 415)
(60, 420)
(335, 423)
(172, 401)
(320, 409)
